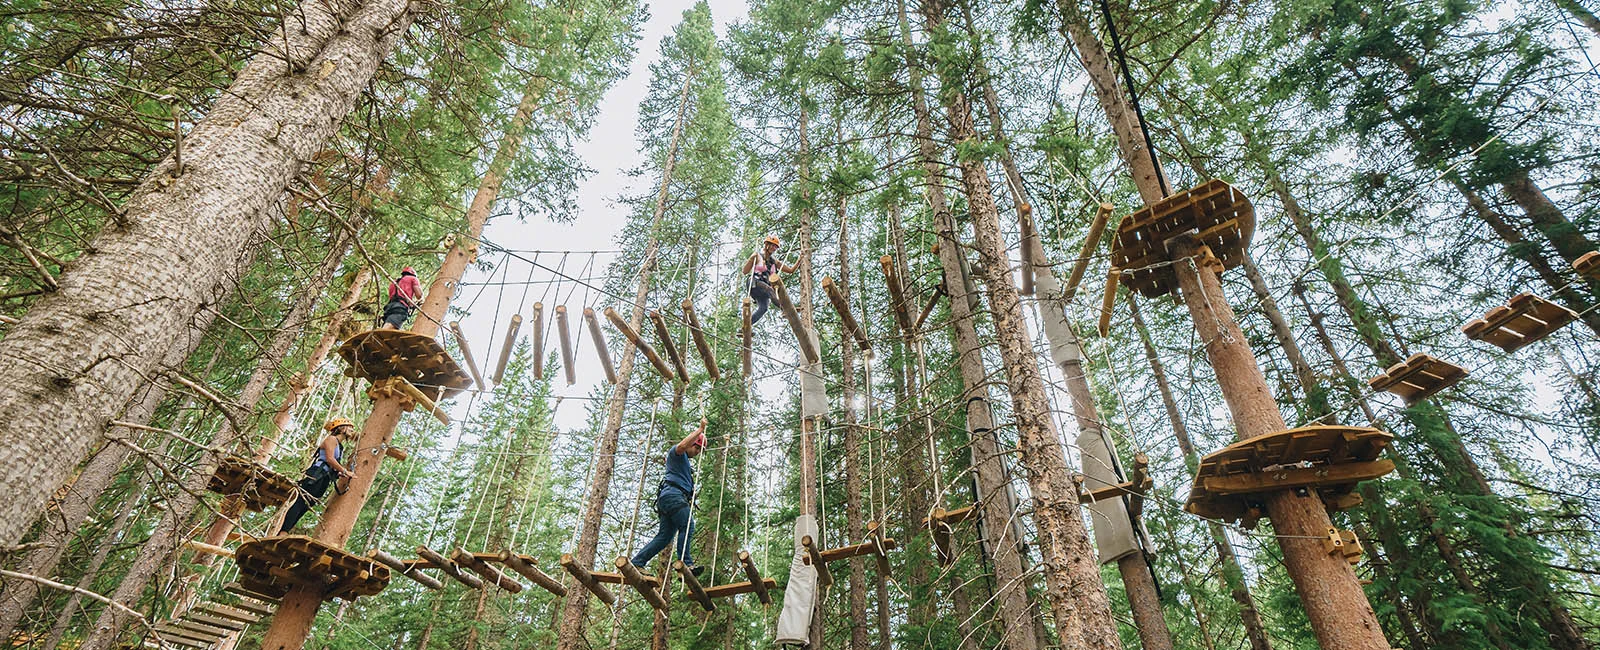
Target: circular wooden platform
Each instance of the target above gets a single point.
(1331, 460)
(377, 355)
(1219, 216)
(257, 485)
(272, 566)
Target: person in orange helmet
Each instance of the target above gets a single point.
(405, 293)
(763, 266)
(326, 467)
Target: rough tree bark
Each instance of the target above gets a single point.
(82, 351)
(855, 528)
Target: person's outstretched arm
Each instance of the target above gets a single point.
(683, 445)
(750, 263)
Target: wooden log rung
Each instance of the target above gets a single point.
(538, 340)
(927, 310)
(733, 589)
(506, 347)
(489, 573)
(588, 580)
(841, 305)
(758, 585)
(638, 342)
(1090, 243)
(665, 336)
(466, 353)
(565, 330)
(808, 348)
(529, 568)
(692, 584)
(449, 567)
(600, 345)
(647, 586)
(815, 559)
(897, 296)
(698, 334)
(408, 570)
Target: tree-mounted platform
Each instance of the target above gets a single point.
(272, 566)
(1419, 377)
(1134, 488)
(256, 486)
(1523, 320)
(1588, 265)
(376, 355)
(942, 524)
(1328, 459)
(1220, 217)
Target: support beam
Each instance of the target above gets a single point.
(815, 559)
(645, 585)
(808, 347)
(488, 572)
(697, 592)
(566, 345)
(758, 586)
(538, 340)
(416, 396)
(1090, 244)
(639, 342)
(665, 336)
(529, 568)
(700, 344)
(466, 353)
(841, 304)
(600, 345)
(588, 580)
(450, 569)
(506, 347)
(408, 570)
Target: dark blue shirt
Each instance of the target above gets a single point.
(679, 473)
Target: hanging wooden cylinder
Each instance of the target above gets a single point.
(1109, 300)
(841, 304)
(897, 296)
(505, 348)
(639, 342)
(1090, 243)
(665, 336)
(538, 340)
(600, 344)
(466, 353)
(700, 344)
(808, 347)
(566, 345)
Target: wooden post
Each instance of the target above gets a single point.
(449, 567)
(493, 575)
(897, 296)
(1090, 243)
(744, 347)
(700, 344)
(697, 592)
(753, 574)
(529, 569)
(1108, 301)
(639, 342)
(665, 336)
(814, 558)
(1029, 234)
(401, 567)
(808, 348)
(644, 585)
(538, 340)
(841, 304)
(566, 345)
(506, 347)
(600, 345)
(1332, 596)
(588, 580)
(466, 353)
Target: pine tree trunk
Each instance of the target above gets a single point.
(181, 229)
(855, 528)
(575, 611)
(1232, 571)
(91, 572)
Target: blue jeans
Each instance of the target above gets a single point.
(672, 506)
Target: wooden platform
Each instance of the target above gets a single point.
(376, 355)
(271, 566)
(1525, 319)
(1588, 265)
(1419, 377)
(256, 485)
(1328, 459)
(1219, 216)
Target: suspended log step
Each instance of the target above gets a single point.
(698, 334)
(1218, 216)
(1091, 243)
(506, 347)
(256, 485)
(897, 296)
(272, 566)
(927, 310)
(665, 336)
(814, 558)
(1588, 265)
(745, 336)
(1523, 320)
(841, 304)
(1134, 488)
(754, 583)
(1328, 459)
(593, 581)
(568, 364)
(882, 545)
(432, 559)
(528, 567)
(489, 573)
(1108, 301)
(808, 347)
(538, 340)
(638, 342)
(376, 355)
(600, 348)
(466, 353)
(221, 611)
(1419, 377)
(1028, 234)
(411, 397)
(412, 570)
(692, 585)
(942, 524)
(647, 586)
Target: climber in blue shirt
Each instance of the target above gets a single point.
(673, 500)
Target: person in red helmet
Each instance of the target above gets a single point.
(763, 266)
(405, 293)
(674, 502)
